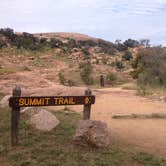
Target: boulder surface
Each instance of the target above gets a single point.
(44, 120)
(5, 101)
(92, 133)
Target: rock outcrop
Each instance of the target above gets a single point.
(92, 133)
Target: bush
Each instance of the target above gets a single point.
(121, 47)
(86, 53)
(131, 43)
(64, 81)
(85, 73)
(70, 83)
(62, 78)
(111, 78)
(8, 32)
(2, 44)
(119, 64)
(127, 56)
(55, 43)
(150, 66)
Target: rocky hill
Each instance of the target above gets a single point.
(75, 59)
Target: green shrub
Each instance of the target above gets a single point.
(62, 78)
(111, 78)
(150, 66)
(119, 65)
(131, 43)
(64, 81)
(127, 56)
(85, 73)
(70, 83)
(86, 53)
(2, 44)
(25, 68)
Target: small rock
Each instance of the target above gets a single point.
(92, 133)
(5, 101)
(44, 120)
(30, 111)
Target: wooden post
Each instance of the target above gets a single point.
(15, 115)
(102, 81)
(87, 107)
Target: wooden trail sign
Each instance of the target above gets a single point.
(17, 101)
(36, 101)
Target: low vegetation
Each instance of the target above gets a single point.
(86, 73)
(127, 56)
(149, 68)
(111, 78)
(95, 56)
(64, 81)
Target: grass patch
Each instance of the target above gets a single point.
(129, 86)
(152, 91)
(1, 95)
(55, 149)
(4, 71)
(24, 68)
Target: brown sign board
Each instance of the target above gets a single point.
(35, 101)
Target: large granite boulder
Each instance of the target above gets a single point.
(41, 119)
(91, 133)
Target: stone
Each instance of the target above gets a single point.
(5, 101)
(92, 133)
(44, 120)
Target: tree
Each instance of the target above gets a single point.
(117, 41)
(8, 32)
(131, 43)
(121, 47)
(149, 67)
(145, 42)
(55, 43)
(86, 71)
(119, 64)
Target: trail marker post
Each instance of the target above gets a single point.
(101, 80)
(15, 116)
(87, 105)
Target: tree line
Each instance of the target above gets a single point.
(29, 41)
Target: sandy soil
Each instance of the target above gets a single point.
(142, 134)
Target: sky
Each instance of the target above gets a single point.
(106, 19)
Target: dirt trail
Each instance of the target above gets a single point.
(135, 134)
(143, 134)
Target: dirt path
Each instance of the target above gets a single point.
(142, 134)
(135, 134)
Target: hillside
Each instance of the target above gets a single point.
(64, 35)
(74, 59)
